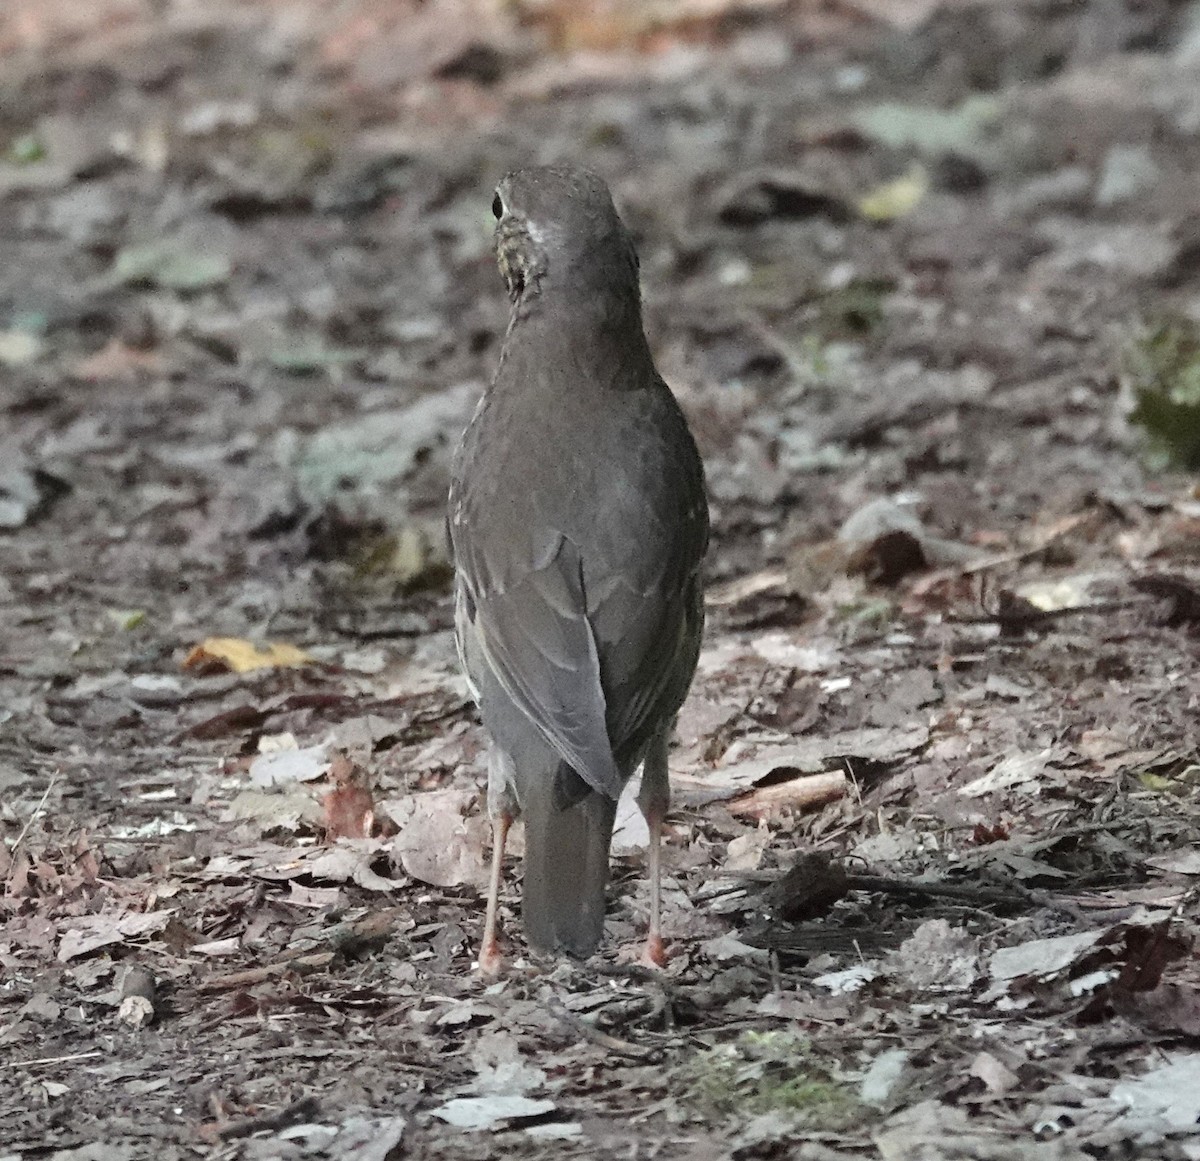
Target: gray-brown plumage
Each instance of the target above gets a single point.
(578, 520)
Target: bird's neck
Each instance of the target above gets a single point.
(580, 313)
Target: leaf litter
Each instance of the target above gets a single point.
(928, 885)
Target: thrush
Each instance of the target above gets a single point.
(579, 522)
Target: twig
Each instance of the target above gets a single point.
(960, 891)
(796, 794)
(296, 1113)
(36, 811)
(1012, 619)
(638, 972)
(590, 1032)
(49, 1060)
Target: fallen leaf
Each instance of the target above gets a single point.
(87, 933)
(931, 131)
(1042, 958)
(1185, 861)
(852, 979)
(1017, 770)
(349, 808)
(490, 1112)
(937, 957)
(437, 842)
(1166, 1098)
(171, 265)
(19, 348)
(357, 1139)
(500, 1067)
(997, 1079)
(274, 811)
(221, 654)
(350, 861)
(26, 493)
(895, 199)
(883, 1077)
(281, 767)
(745, 853)
(117, 360)
(933, 1131)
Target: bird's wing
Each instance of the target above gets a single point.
(643, 584)
(533, 632)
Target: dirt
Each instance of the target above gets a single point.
(932, 864)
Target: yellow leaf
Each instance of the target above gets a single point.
(240, 656)
(896, 198)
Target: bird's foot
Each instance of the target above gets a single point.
(654, 954)
(491, 959)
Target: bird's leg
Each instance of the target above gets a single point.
(502, 807)
(490, 958)
(654, 798)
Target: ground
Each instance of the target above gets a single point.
(910, 267)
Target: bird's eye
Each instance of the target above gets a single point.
(497, 207)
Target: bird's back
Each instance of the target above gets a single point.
(574, 455)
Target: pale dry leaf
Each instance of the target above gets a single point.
(500, 1067)
(278, 767)
(490, 1112)
(1166, 1098)
(89, 932)
(438, 842)
(932, 1131)
(1185, 861)
(852, 979)
(350, 861)
(937, 957)
(881, 1080)
(997, 1078)
(745, 853)
(1017, 770)
(630, 831)
(1043, 958)
(217, 947)
(272, 811)
(366, 1139)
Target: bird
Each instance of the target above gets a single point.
(578, 521)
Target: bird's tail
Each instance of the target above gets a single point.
(566, 869)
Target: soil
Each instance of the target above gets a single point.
(932, 863)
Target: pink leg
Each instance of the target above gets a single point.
(655, 953)
(490, 958)
(654, 798)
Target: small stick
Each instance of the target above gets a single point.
(36, 811)
(49, 1060)
(295, 1113)
(590, 1032)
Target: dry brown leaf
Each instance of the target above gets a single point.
(117, 360)
(349, 808)
(438, 842)
(235, 655)
(90, 932)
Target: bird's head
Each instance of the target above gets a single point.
(558, 226)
